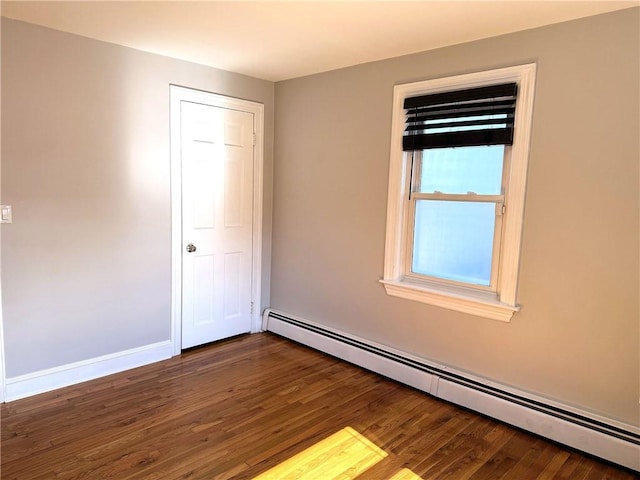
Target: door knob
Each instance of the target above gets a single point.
(191, 248)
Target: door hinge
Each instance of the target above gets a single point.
(251, 308)
(254, 139)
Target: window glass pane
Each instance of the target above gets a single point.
(462, 170)
(454, 240)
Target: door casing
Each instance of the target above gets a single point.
(179, 94)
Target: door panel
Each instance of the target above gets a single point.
(233, 285)
(203, 289)
(217, 184)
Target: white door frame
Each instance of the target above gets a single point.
(179, 94)
(3, 379)
(3, 382)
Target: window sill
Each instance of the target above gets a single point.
(460, 299)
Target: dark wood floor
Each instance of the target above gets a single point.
(237, 408)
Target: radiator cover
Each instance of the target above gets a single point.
(612, 441)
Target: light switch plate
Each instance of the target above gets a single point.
(6, 215)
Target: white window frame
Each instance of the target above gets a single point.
(398, 279)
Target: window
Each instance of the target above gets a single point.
(457, 180)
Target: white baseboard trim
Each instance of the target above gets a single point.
(72, 373)
(605, 438)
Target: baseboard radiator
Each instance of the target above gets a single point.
(598, 436)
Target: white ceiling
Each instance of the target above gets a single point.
(282, 40)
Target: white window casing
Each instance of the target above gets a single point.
(398, 279)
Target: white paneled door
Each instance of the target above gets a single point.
(217, 199)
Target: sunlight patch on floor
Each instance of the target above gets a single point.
(405, 474)
(344, 455)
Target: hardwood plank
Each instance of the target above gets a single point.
(238, 408)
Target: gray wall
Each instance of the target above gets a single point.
(576, 337)
(86, 265)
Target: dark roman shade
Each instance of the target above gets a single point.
(461, 118)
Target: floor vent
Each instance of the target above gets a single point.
(613, 441)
